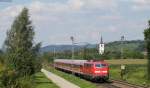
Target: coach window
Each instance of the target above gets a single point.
(86, 65)
(89, 65)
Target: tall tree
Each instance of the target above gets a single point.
(147, 39)
(22, 52)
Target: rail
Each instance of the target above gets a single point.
(125, 83)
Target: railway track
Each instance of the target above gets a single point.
(118, 84)
(130, 85)
(106, 85)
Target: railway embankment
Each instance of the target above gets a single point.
(82, 83)
(62, 83)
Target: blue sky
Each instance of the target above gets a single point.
(56, 20)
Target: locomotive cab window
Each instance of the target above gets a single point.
(100, 65)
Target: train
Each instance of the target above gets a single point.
(92, 69)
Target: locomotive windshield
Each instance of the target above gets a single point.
(100, 65)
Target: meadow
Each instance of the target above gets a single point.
(135, 70)
(127, 61)
(43, 82)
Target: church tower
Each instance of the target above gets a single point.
(101, 47)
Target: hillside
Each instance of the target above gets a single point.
(137, 45)
(61, 48)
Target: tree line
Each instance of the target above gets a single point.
(92, 53)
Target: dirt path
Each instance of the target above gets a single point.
(62, 83)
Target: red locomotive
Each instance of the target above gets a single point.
(95, 70)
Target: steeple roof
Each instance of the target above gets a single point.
(101, 40)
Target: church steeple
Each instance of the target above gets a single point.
(101, 40)
(101, 46)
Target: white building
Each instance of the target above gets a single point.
(101, 47)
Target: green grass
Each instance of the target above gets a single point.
(127, 61)
(136, 70)
(76, 80)
(134, 74)
(43, 82)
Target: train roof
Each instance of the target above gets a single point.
(78, 62)
(69, 61)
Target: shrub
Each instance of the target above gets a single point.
(11, 79)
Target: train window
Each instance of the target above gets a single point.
(100, 65)
(88, 65)
(85, 65)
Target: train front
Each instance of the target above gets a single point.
(101, 70)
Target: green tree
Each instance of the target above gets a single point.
(48, 57)
(147, 39)
(1, 57)
(20, 47)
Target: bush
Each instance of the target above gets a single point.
(25, 82)
(8, 78)
(11, 79)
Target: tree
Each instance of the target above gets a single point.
(147, 39)
(20, 47)
(1, 57)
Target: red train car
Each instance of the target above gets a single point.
(95, 70)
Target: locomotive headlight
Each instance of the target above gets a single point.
(104, 71)
(97, 71)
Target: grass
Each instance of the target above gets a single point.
(136, 70)
(134, 74)
(76, 80)
(40, 80)
(43, 82)
(127, 61)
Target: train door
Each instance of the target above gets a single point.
(88, 68)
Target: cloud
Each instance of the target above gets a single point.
(73, 5)
(7, 16)
(113, 29)
(56, 21)
(101, 4)
(37, 7)
(142, 2)
(110, 17)
(141, 5)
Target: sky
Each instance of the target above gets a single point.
(55, 21)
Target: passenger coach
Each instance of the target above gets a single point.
(94, 69)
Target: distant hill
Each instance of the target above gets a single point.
(111, 46)
(137, 45)
(58, 48)
(61, 48)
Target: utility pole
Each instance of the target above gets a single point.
(54, 52)
(123, 67)
(72, 39)
(85, 51)
(122, 40)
